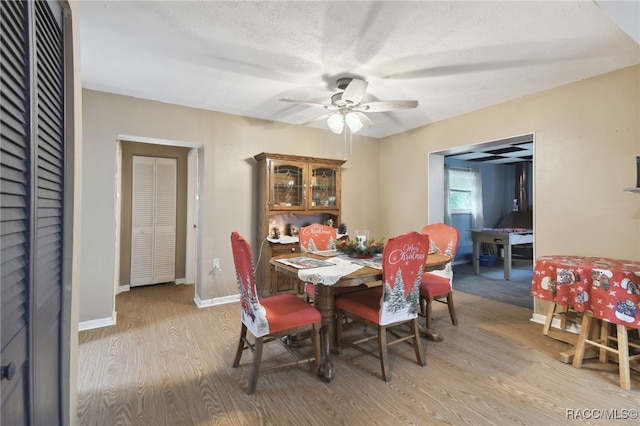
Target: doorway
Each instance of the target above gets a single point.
(189, 176)
(497, 161)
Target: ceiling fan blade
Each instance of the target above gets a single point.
(354, 92)
(323, 116)
(308, 103)
(365, 120)
(383, 106)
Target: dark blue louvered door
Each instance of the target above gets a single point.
(32, 165)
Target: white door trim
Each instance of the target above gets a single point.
(192, 216)
(192, 237)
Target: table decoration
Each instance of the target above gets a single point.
(360, 249)
(362, 236)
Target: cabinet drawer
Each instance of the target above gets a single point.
(278, 249)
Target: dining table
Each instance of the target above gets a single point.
(327, 279)
(608, 288)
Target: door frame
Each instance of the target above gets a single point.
(435, 190)
(193, 230)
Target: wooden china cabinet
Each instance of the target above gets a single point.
(293, 191)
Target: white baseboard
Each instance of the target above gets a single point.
(97, 323)
(126, 287)
(538, 318)
(215, 301)
(555, 323)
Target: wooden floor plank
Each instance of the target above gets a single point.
(166, 362)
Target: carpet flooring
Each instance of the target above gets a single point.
(490, 283)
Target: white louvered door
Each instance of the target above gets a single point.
(153, 220)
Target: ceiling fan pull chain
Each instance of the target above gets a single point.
(345, 143)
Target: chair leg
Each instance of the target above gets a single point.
(416, 343)
(255, 367)
(423, 305)
(338, 330)
(452, 310)
(429, 313)
(382, 347)
(316, 346)
(243, 337)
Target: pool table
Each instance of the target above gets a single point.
(506, 236)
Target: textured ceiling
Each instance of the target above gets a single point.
(453, 57)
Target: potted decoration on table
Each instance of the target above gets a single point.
(342, 229)
(353, 248)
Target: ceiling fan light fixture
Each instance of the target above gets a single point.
(346, 107)
(353, 121)
(336, 122)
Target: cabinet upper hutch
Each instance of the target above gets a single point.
(292, 191)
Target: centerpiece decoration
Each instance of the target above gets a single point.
(361, 249)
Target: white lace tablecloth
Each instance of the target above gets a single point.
(328, 275)
(287, 239)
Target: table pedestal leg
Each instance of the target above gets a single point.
(432, 334)
(326, 366)
(507, 261)
(476, 257)
(324, 302)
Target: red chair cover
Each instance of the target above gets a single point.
(403, 260)
(269, 315)
(317, 237)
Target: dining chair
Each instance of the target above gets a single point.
(392, 305)
(438, 285)
(315, 237)
(271, 318)
(318, 237)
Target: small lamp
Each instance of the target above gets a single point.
(336, 122)
(353, 121)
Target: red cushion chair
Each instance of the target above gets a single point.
(438, 285)
(394, 304)
(317, 237)
(269, 318)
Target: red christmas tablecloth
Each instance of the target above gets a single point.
(610, 288)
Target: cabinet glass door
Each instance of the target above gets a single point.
(287, 186)
(323, 188)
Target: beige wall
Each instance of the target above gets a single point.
(129, 149)
(587, 137)
(227, 187)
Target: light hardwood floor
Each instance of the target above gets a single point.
(166, 362)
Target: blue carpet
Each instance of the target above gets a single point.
(490, 283)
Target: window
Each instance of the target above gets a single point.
(461, 185)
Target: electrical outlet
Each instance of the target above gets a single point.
(216, 263)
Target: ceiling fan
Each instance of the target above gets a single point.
(345, 106)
